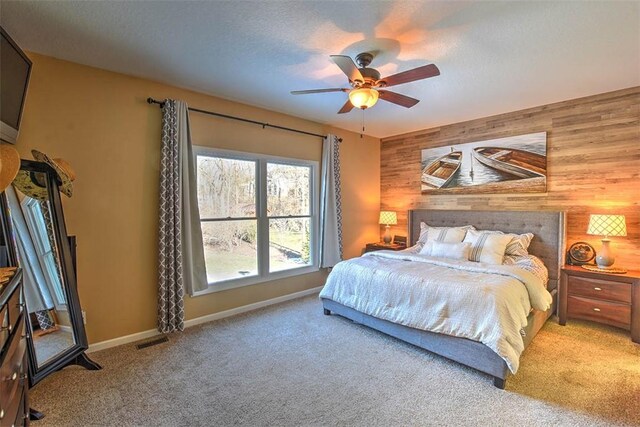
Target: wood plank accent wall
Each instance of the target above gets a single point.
(593, 149)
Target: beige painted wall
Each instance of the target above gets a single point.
(99, 122)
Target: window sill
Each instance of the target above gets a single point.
(254, 280)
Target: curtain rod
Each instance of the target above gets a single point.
(226, 116)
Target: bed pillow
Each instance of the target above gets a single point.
(437, 249)
(415, 249)
(443, 234)
(487, 247)
(530, 263)
(519, 244)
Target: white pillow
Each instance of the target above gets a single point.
(519, 244)
(442, 234)
(450, 250)
(487, 247)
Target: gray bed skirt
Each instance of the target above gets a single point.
(470, 353)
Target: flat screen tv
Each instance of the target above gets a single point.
(15, 69)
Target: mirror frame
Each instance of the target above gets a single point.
(7, 230)
(73, 354)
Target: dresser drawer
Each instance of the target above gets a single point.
(5, 327)
(14, 306)
(610, 313)
(22, 414)
(13, 370)
(599, 289)
(15, 413)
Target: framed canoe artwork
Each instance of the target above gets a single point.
(516, 164)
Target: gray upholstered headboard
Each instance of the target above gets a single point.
(548, 229)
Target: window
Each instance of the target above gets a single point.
(257, 215)
(42, 243)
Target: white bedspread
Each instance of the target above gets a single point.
(481, 302)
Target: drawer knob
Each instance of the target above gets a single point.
(596, 309)
(597, 289)
(1, 414)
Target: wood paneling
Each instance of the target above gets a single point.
(593, 155)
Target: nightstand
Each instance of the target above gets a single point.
(611, 299)
(381, 246)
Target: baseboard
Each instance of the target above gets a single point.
(200, 320)
(102, 345)
(249, 307)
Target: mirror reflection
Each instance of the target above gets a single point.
(38, 255)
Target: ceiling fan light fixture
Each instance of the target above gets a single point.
(363, 98)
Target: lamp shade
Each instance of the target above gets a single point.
(388, 218)
(607, 225)
(363, 98)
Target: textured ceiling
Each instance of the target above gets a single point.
(494, 56)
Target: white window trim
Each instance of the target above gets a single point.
(263, 229)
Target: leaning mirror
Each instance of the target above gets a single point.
(57, 334)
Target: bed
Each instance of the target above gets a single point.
(548, 243)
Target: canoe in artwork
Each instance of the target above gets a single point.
(521, 163)
(442, 170)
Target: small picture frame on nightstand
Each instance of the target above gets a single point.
(400, 240)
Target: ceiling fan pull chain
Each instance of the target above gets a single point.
(362, 124)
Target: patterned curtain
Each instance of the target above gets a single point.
(330, 204)
(181, 253)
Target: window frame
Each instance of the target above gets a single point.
(262, 219)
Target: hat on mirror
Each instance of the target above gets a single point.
(63, 169)
(9, 165)
(32, 184)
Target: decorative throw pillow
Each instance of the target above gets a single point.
(519, 244)
(487, 247)
(415, 249)
(530, 263)
(447, 250)
(442, 234)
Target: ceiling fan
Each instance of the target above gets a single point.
(366, 83)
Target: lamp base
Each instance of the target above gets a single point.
(605, 258)
(387, 236)
(610, 270)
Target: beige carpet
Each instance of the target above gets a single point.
(291, 365)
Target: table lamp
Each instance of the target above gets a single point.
(388, 218)
(606, 225)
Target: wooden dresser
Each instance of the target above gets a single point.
(14, 384)
(612, 299)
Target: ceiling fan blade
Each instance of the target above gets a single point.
(348, 67)
(419, 73)
(304, 92)
(348, 106)
(396, 98)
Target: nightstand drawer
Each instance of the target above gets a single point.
(610, 313)
(594, 288)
